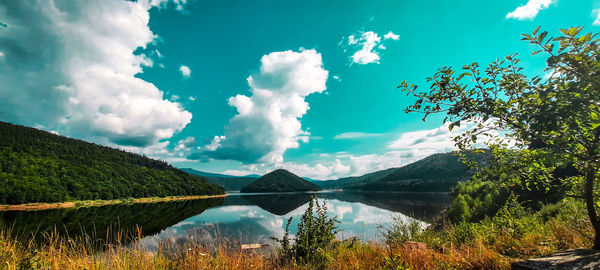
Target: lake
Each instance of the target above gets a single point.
(246, 218)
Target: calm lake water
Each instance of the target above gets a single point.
(248, 218)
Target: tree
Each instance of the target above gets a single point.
(551, 122)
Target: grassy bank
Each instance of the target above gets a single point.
(92, 203)
(513, 234)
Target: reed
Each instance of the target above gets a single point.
(485, 245)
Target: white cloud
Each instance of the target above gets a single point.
(597, 21)
(429, 141)
(268, 121)
(352, 40)
(391, 35)
(191, 98)
(407, 148)
(368, 43)
(214, 144)
(319, 171)
(529, 10)
(185, 144)
(186, 72)
(85, 70)
(355, 135)
(367, 54)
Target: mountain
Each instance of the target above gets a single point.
(435, 173)
(38, 166)
(280, 181)
(228, 182)
(354, 180)
(208, 174)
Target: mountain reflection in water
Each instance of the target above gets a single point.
(248, 218)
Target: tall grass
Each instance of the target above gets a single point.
(513, 234)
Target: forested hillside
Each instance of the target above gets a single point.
(355, 180)
(435, 173)
(280, 181)
(37, 166)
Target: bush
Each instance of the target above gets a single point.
(403, 231)
(316, 233)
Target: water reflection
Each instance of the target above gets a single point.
(104, 223)
(255, 218)
(247, 218)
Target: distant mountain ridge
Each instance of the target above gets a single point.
(209, 174)
(435, 173)
(280, 181)
(228, 182)
(38, 166)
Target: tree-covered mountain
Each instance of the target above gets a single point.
(354, 180)
(280, 181)
(37, 166)
(228, 182)
(435, 173)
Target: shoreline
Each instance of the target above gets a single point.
(94, 203)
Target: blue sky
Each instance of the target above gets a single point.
(245, 87)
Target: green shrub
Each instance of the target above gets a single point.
(403, 231)
(316, 233)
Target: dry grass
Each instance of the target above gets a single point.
(494, 250)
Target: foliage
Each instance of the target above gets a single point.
(435, 173)
(554, 120)
(36, 166)
(316, 233)
(492, 243)
(280, 181)
(402, 231)
(514, 231)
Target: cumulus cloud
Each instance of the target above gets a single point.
(320, 170)
(366, 54)
(369, 44)
(391, 35)
(355, 135)
(186, 72)
(268, 121)
(72, 65)
(530, 10)
(185, 144)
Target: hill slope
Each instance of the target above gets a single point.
(435, 173)
(355, 180)
(280, 181)
(229, 182)
(37, 166)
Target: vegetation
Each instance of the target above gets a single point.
(512, 234)
(37, 166)
(280, 181)
(552, 121)
(316, 234)
(536, 194)
(97, 221)
(435, 173)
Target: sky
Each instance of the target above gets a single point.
(246, 87)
